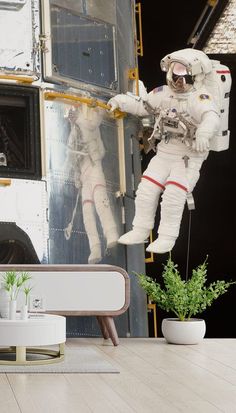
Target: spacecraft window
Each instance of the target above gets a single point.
(82, 48)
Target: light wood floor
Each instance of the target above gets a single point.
(154, 377)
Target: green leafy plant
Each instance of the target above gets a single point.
(184, 298)
(13, 282)
(27, 291)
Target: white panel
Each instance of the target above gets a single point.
(16, 40)
(78, 291)
(25, 203)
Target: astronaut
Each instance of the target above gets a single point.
(186, 119)
(85, 154)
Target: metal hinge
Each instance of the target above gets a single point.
(42, 42)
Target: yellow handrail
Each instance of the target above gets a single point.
(91, 102)
(20, 79)
(212, 3)
(152, 307)
(151, 257)
(5, 182)
(140, 41)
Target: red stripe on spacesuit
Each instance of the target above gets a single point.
(88, 201)
(176, 184)
(223, 71)
(153, 181)
(97, 186)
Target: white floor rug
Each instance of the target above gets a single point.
(77, 360)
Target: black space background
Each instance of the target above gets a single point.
(166, 28)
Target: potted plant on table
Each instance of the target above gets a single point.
(13, 283)
(185, 298)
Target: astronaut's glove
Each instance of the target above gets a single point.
(201, 143)
(72, 116)
(121, 102)
(114, 103)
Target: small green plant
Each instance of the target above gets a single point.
(184, 298)
(13, 282)
(27, 291)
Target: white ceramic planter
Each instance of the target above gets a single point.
(12, 309)
(24, 312)
(183, 332)
(4, 302)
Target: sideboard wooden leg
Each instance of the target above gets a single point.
(111, 328)
(103, 327)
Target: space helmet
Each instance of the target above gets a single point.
(185, 69)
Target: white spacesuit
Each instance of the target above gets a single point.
(85, 154)
(186, 119)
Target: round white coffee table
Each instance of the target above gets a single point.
(38, 330)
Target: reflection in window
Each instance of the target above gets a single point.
(102, 9)
(85, 153)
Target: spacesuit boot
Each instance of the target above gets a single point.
(135, 236)
(92, 233)
(106, 217)
(146, 201)
(164, 243)
(95, 254)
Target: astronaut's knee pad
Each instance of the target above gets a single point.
(175, 193)
(100, 195)
(148, 188)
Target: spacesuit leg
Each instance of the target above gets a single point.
(103, 208)
(146, 201)
(172, 207)
(92, 232)
(89, 218)
(181, 181)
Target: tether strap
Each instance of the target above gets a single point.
(188, 245)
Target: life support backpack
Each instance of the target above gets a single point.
(218, 83)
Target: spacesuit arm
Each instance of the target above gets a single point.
(128, 103)
(206, 130)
